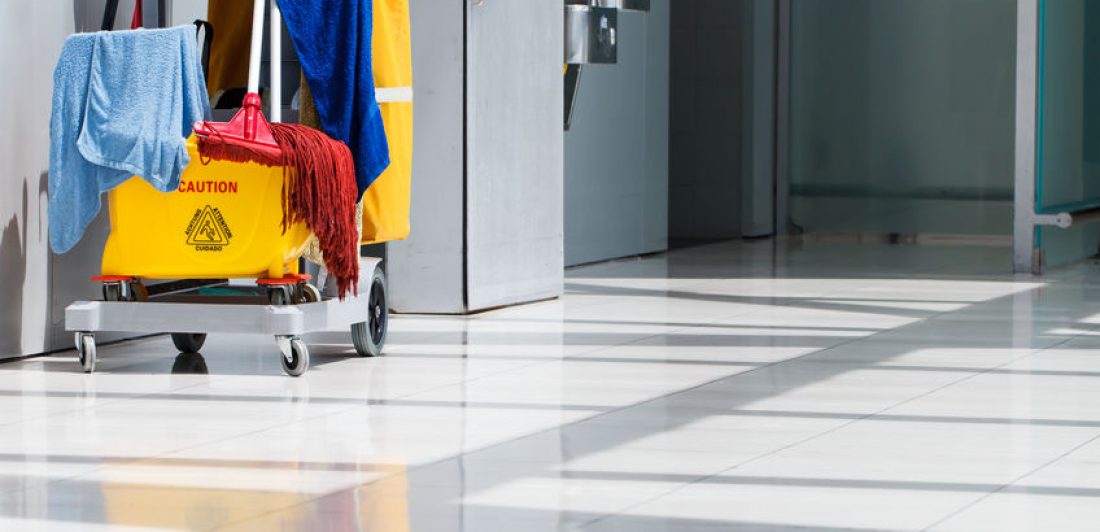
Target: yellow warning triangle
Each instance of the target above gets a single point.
(207, 232)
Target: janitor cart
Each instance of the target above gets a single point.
(224, 222)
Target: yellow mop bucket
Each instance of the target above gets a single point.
(224, 221)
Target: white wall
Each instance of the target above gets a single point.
(35, 282)
(24, 159)
(616, 152)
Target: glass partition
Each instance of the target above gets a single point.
(1068, 125)
(902, 116)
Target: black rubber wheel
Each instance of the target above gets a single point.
(278, 295)
(299, 359)
(138, 291)
(188, 342)
(369, 336)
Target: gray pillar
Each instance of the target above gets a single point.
(783, 117)
(758, 184)
(487, 157)
(1026, 258)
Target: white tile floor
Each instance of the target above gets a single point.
(758, 386)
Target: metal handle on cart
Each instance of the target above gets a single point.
(257, 46)
(276, 62)
(153, 14)
(275, 56)
(109, 13)
(207, 42)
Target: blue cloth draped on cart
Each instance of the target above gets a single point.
(123, 104)
(333, 40)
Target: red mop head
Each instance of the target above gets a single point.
(319, 186)
(245, 138)
(319, 189)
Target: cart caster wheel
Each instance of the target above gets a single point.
(116, 292)
(279, 295)
(298, 362)
(85, 351)
(138, 291)
(370, 336)
(307, 293)
(188, 342)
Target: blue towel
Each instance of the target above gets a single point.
(123, 104)
(333, 40)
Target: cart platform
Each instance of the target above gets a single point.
(266, 310)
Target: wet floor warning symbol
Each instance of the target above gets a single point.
(208, 230)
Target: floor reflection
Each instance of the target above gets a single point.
(190, 364)
(755, 385)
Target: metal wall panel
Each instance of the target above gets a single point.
(617, 148)
(426, 272)
(514, 151)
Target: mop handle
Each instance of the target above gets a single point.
(257, 47)
(275, 114)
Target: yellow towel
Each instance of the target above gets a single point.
(232, 23)
(384, 209)
(386, 202)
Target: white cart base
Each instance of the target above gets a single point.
(287, 323)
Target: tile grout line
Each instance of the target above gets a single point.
(985, 496)
(600, 414)
(244, 434)
(586, 352)
(350, 408)
(670, 394)
(224, 378)
(843, 425)
(437, 461)
(842, 344)
(254, 432)
(85, 408)
(137, 396)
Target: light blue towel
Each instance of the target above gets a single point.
(123, 104)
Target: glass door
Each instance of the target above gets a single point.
(1067, 143)
(902, 116)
